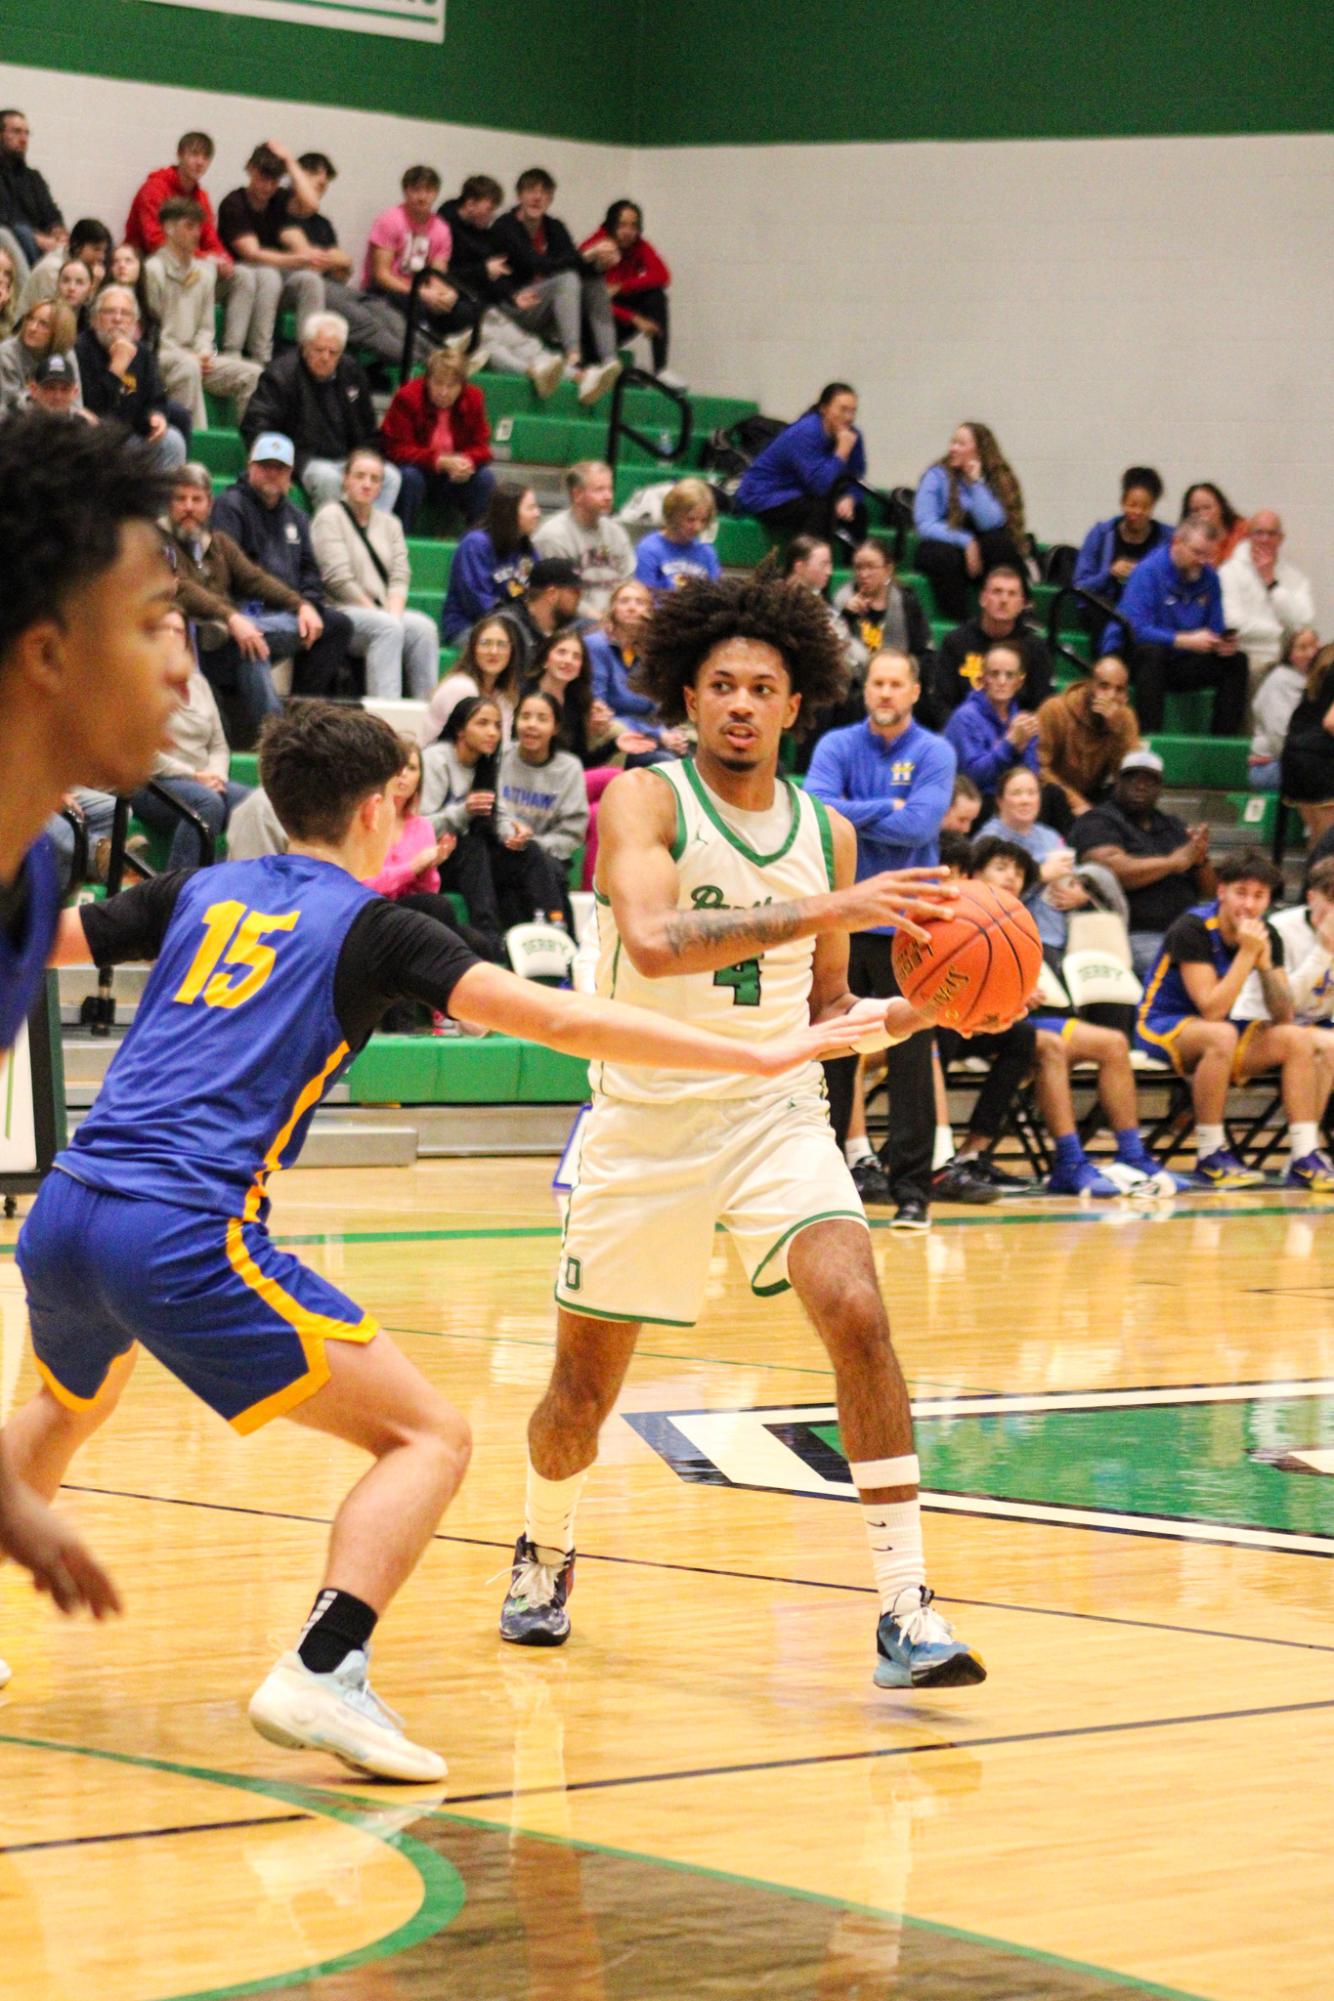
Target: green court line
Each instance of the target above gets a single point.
(989, 1220)
(444, 1894)
(1127, 1980)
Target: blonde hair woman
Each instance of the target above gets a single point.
(677, 552)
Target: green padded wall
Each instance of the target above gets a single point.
(820, 71)
(540, 67)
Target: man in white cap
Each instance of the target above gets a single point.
(1160, 862)
(258, 514)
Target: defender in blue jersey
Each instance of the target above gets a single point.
(269, 976)
(1187, 1016)
(87, 685)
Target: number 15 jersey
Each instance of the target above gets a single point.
(757, 1000)
(269, 977)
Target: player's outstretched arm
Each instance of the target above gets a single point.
(636, 829)
(34, 1536)
(579, 1025)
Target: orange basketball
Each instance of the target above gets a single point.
(981, 965)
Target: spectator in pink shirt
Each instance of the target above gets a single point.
(411, 873)
(411, 237)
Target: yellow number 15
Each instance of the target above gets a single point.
(232, 937)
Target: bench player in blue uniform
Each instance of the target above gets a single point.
(86, 689)
(269, 977)
(1187, 1016)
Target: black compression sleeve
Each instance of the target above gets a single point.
(395, 955)
(133, 924)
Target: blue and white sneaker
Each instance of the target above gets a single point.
(916, 1648)
(1314, 1172)
(1081, 1179)
(342, 1714)
(534, 1613)
(1223, 1170)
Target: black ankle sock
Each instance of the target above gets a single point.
(338, 1623)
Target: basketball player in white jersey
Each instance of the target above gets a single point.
(725, 897)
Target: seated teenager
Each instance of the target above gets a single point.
(492, 562)
(1306, 767)
(494, 866)
(488, 665)
(542, 792)
(1188, 1016)
(969, 516)
(589, 728)
(1063, 1042)
(1277, 701)
(1113, 547)
(410, 874)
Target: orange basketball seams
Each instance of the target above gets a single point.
(981, 965)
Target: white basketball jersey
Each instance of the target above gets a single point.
(756, 1000)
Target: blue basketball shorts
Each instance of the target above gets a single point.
(240, 1322)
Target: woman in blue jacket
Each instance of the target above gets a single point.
(491, 563)
(801, 484)
(1112, 548)
(969, 516)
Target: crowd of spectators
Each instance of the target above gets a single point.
(956, 739)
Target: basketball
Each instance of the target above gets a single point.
(980, 966)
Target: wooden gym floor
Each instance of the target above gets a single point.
(1127, 1425)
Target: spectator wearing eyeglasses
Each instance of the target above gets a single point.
(1264, 598)
(989, 731)
(119, 376)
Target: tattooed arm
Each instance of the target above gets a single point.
(636, 873)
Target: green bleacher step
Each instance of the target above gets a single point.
(464, 1070)
(1212, 763)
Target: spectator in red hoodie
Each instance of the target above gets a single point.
(637, 282)
(237, 283)
(436, 433)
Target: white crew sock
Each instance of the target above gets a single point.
(548, 1520)
(942, 1152)
(857, 1149)
(1304, 1136)
(1208, 1139)
(894, 1531)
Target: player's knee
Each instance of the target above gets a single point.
(852, 1315)
(1221, 1036)
(451, 1435)
(583, 1399)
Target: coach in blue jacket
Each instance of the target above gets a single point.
(893, 780)
(1170, 630)
(800, 484)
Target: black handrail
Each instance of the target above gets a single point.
(79, 865)
(618, 427)
(102, 1013)
(410, 317)
(1077, 595)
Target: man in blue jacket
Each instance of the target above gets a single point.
(259, 516)
(893, 780)
(801, 483)
(1171, 633)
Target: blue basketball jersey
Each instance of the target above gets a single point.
(23, 960)
(235, 1041)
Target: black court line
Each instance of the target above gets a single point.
(749, 1576)
(151, 1833)
(899, 1751)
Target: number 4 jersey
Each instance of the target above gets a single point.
(269, 977)
(725, 860)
